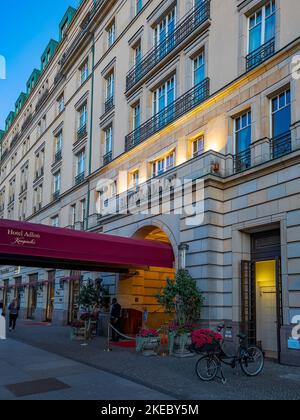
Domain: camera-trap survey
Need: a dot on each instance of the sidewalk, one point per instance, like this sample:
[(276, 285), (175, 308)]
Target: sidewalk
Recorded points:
[(175, 377), (30, 373)]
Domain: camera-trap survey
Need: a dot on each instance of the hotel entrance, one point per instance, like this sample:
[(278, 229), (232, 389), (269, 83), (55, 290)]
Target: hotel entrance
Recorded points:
[(50, 295), (32, 296), (262, 293), (74, 291)]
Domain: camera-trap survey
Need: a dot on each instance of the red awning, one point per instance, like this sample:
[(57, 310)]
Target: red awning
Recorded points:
[(27, 244)]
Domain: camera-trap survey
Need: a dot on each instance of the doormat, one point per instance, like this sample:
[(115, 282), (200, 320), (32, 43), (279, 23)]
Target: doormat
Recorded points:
[(42, 386), (124, 344), (37, 324)]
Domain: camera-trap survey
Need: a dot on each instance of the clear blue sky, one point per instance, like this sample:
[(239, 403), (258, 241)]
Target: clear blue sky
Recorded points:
[(26, 26)]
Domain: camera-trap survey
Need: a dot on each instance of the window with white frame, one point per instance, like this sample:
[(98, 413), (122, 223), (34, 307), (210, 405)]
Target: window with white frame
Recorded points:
[(138, 6), (110, 86), (73, 215), (61, 104), (82, 210), (84, 71), (163, 164), (108, 139), (164, 95), (199, 68), (58, 142), (137, 54), (164, 30), (55, 221), (281, 113), (136, 116), (82, 114), (242, 125), (80, 163), (198, 146), (262, 26), (57, 182), (111, 34), (134, 181)]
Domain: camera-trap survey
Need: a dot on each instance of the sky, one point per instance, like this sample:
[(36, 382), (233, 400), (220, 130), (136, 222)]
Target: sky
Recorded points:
[(26, 26)]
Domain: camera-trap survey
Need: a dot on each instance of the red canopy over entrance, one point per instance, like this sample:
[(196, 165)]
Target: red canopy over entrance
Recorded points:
[(31, 245)]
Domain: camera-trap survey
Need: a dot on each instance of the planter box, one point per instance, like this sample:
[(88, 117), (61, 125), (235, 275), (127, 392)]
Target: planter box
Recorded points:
[(293, 344)]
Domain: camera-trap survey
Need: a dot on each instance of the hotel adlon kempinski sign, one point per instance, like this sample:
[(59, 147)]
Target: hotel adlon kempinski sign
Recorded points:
[(23, 237)]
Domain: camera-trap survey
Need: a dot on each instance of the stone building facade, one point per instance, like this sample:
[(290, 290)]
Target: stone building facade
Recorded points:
[(142, 90)]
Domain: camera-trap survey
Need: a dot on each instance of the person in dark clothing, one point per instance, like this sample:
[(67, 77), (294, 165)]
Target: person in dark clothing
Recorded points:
[(13, 314), (115, 319)]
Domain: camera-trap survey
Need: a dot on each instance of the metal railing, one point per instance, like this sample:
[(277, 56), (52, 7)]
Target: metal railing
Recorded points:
[(185, 27), (42, 99), (26, 122), (281, 145), (171, 113), (55, 195), (107, 158), (242, 161), (23, 187), (58, 156), (261, 54), (81, 133), (38, 174), (79, 178), (109, 104)]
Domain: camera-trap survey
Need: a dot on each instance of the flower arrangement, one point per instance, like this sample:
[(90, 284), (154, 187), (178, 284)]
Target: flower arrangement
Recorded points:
[(178, 329), (148, 333), (203, 338)]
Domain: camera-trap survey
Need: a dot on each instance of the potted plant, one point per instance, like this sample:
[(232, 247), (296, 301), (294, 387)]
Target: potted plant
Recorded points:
[(147, 342), (206, 340), (182, 298)]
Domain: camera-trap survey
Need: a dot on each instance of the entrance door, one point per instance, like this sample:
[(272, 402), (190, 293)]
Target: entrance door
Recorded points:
[(50, 296), (32, 296), (266, 306)]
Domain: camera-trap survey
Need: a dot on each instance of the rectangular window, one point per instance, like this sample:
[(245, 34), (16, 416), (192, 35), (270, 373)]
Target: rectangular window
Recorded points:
[(164, 164), (58, 144), (83, 211), (84, 72), (198, 146), (199, 69), (73, 215), (281, 114), (136, 120), (82, 117), (164, 96), (164, 33), (57, 183), (110, 86), (111, 34), (55, 221), (108, 139), (137, 54), (243, 132), (138, 6), (61, 104), (262, 26), (80, 167), (135, 179)]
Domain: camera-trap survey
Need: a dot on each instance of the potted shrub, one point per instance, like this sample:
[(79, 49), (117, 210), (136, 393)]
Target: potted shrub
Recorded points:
[(147, 342), (182, 298)]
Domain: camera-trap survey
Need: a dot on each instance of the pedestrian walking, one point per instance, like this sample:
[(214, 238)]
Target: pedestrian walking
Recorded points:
[(115, 319), (2, 323), (13, 310)]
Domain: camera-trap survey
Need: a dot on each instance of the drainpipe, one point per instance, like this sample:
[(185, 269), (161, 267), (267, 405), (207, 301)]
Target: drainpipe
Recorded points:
[(91, 131)]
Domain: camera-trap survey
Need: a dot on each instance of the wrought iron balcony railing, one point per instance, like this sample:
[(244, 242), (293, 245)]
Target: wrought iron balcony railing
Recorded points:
[(27, 122), (242, 161), (193, 20), (107, 158), (42, 100), (24, 187), (109, 104), (81, 133), (260, 55), (281, 145), (171, 113), (38, 174), (56, 195), (58, 156), (79, 178)]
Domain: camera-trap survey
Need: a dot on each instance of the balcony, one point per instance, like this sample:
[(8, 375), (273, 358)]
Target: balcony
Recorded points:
[(42, 99), (79, 179), (109, 104), (11, 200), (242, 161), (171, 113), (81, 133), (107, 158), (14, 140), (37, 208), (56, 195), (58, 156), (260, 55), (4, 154), (26, 122), (23, 188), (38, 174), (193, 20), (281, 145)]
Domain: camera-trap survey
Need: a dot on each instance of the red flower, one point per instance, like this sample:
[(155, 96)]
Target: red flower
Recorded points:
[(201, 338)]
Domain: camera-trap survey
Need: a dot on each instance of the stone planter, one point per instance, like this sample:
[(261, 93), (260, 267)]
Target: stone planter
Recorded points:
[(148, 346), (179, 345)]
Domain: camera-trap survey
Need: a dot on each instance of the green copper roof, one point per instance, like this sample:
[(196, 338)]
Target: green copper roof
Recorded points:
[(2, 132), (66, 20), (31, 82), (20, 101), (48, 53), (9, 120)]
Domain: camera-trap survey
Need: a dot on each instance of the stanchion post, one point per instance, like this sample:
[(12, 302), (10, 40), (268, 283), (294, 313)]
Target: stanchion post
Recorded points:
[(108, 349)]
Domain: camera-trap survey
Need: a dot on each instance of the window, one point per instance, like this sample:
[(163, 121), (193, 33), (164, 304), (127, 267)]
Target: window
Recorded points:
[(61, 104), (84, 72), (39, 163), (56, 183), (11, 191), (134, 182), (163, 164), (24, 179), (198, 147), (73, 215), (111, 34), (82, 211), (243, 132), (37, 198), (55, 221), (138, 6), (82, 117), (58, 143), (281, 113), (262, 26), (136, 117), (137, 54), (80, 164), (164, 95), (22, 208), (108, 140), (199, 69), (164, 32)]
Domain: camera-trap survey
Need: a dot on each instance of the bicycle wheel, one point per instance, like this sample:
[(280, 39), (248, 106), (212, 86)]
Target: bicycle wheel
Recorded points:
[(252, 362), (207, 368)]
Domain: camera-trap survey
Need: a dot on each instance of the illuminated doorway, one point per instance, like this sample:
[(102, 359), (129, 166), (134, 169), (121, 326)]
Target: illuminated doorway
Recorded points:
[(50, 296), (32, 295), (74, 291)]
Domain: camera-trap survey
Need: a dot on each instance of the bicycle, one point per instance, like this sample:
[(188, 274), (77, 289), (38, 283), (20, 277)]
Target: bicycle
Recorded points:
[(250, 359)]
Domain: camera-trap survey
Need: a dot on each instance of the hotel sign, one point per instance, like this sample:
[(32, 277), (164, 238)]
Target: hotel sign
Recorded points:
[(23, 237)]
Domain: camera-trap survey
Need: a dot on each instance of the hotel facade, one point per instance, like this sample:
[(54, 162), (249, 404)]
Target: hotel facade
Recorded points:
[(141, 90)]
